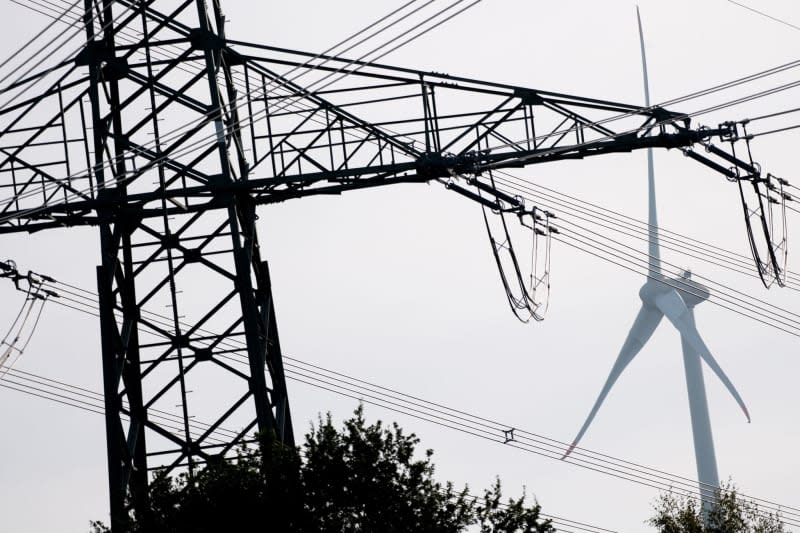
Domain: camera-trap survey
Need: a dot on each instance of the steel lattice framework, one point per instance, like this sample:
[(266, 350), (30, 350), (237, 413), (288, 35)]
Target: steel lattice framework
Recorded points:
[(167, 135)]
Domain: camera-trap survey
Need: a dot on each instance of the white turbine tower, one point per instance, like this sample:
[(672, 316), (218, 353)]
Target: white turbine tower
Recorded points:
[(675, 299)]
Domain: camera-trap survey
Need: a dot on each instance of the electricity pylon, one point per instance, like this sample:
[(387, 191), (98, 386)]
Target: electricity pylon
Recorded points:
[(166, 135)]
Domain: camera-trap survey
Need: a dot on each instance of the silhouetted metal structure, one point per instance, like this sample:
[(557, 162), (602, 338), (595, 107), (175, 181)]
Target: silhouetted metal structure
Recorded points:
[(167, 135)]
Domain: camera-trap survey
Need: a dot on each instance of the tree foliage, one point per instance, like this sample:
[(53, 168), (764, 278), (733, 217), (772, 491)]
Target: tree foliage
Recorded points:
[(731, 514), (361, 478)]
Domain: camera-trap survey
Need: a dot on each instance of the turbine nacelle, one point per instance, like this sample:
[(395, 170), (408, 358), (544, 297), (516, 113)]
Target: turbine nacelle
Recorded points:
[(690, 291)]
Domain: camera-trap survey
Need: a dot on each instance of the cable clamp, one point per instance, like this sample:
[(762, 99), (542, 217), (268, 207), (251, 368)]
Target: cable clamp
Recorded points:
[(728, 132)]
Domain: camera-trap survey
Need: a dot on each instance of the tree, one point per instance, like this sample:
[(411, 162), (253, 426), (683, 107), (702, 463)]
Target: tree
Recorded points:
[(731, 514), (362, 478), (495, 517)]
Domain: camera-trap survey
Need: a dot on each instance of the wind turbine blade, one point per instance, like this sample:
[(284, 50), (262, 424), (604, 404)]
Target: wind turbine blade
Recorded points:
[(672, 305), (643, 327), (654, 259), (644, 60)]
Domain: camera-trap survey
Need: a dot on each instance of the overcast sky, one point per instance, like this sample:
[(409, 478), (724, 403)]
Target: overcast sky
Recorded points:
[(398, 286)]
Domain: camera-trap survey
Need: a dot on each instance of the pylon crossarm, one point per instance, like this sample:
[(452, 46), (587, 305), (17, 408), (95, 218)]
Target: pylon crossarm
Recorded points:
[(301, 137), (377, 120), (428, 166)]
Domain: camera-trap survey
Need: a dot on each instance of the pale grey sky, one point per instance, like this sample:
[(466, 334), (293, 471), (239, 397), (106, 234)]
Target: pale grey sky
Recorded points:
[(398, 285)]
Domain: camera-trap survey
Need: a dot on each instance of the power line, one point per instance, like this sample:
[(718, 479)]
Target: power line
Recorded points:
[(461, 421), (21, 79), (777, 130), (494, 431), (730, 302), (35, 38), (726, 297), (552, 202), (780, 113), (82, 398), (766, 15), (725, 293), (600, 217), (690, 243), (62, 396), (773, 115)]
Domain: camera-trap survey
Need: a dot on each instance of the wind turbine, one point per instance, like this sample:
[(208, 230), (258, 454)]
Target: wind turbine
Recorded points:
[(674, 298)]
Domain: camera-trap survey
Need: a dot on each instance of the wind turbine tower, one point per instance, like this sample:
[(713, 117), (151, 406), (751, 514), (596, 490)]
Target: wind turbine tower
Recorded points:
[(674, 298)]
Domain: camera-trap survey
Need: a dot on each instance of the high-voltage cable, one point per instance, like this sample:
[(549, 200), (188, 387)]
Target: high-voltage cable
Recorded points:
[(764, 14), (98, 409), (734, 302), (64, 393), (690, 245), (36, 37), (317, 376), (767, 308), (86, 399), (443, 416), (439, 415), (602, 217), (21, 80)]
